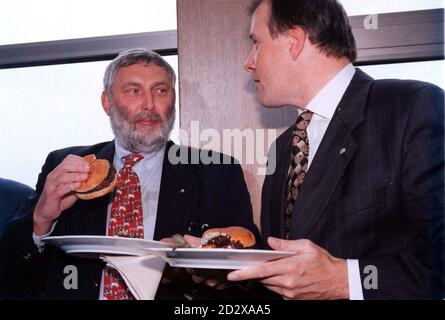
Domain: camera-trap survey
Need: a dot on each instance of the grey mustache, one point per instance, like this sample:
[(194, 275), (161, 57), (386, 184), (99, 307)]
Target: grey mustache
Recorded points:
[(147, 116)]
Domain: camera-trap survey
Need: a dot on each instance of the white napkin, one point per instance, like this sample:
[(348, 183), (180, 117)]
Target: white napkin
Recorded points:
[(141, 274)]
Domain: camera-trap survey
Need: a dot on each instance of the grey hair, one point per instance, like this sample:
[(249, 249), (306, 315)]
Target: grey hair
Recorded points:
[(131, 57)]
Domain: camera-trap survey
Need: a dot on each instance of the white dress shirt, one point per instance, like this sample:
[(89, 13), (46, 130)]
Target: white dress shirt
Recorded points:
[(323, 105), (149, 171)]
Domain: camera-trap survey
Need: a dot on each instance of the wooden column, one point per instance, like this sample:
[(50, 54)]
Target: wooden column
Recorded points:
[(214, 89)]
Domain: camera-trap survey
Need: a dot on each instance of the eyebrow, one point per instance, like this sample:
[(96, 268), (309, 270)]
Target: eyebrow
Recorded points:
[(158, 83), (134, 83), (130, 83)]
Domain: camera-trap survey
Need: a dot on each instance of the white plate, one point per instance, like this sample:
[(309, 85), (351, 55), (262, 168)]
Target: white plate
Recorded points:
[(93, 246), (87, 245), (216, 258)]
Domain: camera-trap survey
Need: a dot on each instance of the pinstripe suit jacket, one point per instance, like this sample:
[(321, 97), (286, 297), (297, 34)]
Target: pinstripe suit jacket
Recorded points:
[(382, 200)]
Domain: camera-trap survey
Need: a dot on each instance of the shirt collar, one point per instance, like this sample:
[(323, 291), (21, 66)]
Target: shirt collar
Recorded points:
[(328, 98), (121, 152)]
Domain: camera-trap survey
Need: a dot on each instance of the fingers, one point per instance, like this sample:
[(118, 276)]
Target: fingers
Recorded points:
[(213, 283), (168, 241), (68, 171), (73, 163), (64, 190), (197, 279), (68, 201), (72, 178), (297, 246), (72, 158), (57, 192), (286, 281), (194, 241), (67, 176), (257, 272), (212, 278), (277, 267), (266, 270)]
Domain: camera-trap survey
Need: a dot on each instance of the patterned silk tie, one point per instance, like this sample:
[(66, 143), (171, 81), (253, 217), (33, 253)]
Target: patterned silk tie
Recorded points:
[(126, 220), (298, 166)]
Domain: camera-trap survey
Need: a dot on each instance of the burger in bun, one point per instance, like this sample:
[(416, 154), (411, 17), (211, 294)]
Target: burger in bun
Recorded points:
[(101, 179), (228, 238)]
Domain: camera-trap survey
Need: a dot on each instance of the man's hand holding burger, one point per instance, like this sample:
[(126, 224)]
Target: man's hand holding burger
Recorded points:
[(74, 178), (58, 194)]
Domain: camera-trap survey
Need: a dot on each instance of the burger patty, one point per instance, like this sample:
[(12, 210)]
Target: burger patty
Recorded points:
[(105, 183), (224, 241)]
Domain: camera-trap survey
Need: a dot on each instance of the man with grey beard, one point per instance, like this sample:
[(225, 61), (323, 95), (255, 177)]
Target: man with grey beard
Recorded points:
[(174, 197)]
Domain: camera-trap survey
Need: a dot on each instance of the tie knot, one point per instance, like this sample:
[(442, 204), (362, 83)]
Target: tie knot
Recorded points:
[(303, 120), (131, 159)]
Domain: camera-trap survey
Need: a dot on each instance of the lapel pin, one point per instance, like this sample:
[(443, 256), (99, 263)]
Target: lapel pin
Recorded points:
[(342, 151)]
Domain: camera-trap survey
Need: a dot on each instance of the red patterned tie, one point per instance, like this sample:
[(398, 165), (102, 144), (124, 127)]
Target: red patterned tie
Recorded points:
[(298, 167), (126, 220)]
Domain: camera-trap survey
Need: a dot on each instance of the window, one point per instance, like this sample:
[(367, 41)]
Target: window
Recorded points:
[(428, 71), (52, 107), (360, 7), (47, 20)]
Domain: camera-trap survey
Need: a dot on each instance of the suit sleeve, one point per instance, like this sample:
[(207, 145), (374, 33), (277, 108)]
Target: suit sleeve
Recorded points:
[(22, 266), (419, 272)]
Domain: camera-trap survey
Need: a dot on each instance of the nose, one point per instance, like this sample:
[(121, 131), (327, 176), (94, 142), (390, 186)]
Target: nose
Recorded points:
[(148, 101), (249, 65)]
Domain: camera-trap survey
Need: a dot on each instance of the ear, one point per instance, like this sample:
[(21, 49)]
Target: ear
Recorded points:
[(105, 102), (297, 37)]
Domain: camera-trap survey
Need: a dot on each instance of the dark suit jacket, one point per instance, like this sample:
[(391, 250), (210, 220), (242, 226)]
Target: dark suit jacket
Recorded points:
[(381, 198), (12, 195), (191, 195)]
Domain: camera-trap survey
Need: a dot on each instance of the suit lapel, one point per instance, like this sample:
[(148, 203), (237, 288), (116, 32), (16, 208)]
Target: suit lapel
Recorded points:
[(277, 227), (336, 149), (178, 196)]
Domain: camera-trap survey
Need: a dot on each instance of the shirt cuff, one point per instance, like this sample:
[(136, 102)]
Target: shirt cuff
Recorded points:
[(354, 280), (38, 239)]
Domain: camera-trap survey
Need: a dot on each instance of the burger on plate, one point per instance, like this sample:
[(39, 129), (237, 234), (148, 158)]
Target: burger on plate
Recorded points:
[(228, 238), (101, 179)]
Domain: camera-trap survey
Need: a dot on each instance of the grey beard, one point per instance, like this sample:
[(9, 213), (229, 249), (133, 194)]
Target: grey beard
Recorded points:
[(134, 141)]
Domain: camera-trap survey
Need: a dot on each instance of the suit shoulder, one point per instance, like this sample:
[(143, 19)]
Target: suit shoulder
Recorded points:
[(13, 185), (60, 154), (405, 88), (186, 155), (405, 96), (14, 189)]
